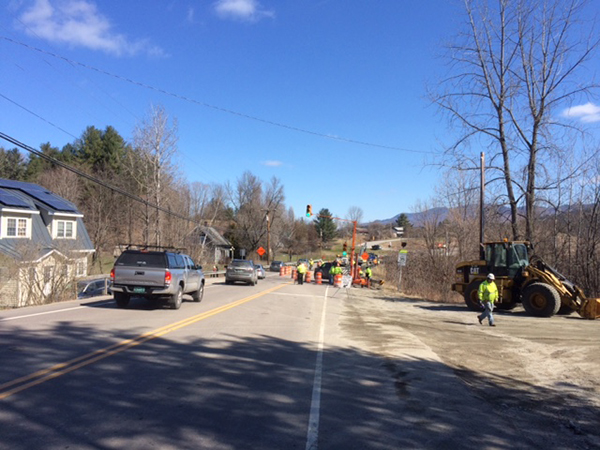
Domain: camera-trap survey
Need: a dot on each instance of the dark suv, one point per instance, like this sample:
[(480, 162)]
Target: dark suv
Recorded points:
[(241, 270), (276, 266), (324, 270)]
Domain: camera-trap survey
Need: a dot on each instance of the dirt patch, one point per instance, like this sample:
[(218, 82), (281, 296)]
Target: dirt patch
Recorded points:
[(541, 376)]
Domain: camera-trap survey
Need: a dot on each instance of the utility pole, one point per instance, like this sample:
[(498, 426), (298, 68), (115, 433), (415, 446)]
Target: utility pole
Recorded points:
[(267, 211), (268, 239), (481, 207)]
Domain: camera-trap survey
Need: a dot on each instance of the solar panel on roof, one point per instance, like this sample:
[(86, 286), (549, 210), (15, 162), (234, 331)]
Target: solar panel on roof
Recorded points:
[(52, 200), (40, 194), (13, 184), (8, 199)]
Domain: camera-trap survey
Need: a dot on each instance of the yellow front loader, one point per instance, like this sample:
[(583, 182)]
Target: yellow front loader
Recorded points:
[(542, 290)]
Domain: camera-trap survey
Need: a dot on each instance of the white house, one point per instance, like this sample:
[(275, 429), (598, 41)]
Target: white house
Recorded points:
[(44, 245)]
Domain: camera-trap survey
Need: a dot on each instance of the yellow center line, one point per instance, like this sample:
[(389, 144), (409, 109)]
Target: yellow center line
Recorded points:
[(20, 384)]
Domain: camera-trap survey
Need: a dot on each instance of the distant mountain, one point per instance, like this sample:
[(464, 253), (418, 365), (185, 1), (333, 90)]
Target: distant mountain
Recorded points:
[(418, 219)]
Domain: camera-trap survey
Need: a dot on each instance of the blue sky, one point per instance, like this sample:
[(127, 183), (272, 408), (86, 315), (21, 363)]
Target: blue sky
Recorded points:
[(283, 88)]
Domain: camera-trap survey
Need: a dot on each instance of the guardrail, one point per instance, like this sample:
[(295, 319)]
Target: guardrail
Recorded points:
[(214, 274)]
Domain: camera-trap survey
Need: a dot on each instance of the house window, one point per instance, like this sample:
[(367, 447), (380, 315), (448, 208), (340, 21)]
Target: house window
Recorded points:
[(17, 227), (48, 272), (80, 269), (65, 229)]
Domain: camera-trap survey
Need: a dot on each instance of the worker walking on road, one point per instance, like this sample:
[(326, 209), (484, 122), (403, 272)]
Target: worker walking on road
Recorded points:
[(488, 294)]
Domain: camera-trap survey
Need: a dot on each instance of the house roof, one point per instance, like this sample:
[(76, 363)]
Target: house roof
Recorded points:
[(212, 235), (43, 206), (38, 194)]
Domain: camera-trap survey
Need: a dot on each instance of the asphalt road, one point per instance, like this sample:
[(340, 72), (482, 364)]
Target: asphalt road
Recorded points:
[(282, 366)]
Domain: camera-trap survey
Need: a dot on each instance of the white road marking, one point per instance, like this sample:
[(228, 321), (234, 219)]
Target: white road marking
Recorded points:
[(6, 319), (25, 316), (312, 436)]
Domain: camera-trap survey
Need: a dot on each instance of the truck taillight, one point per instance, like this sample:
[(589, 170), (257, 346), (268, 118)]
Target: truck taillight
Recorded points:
[(168, 278), (112, 275)]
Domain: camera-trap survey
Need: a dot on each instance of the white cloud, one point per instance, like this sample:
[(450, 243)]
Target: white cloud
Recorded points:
[(190, 14), (272, 163), (587, 113), (244, 10), (79, 23)]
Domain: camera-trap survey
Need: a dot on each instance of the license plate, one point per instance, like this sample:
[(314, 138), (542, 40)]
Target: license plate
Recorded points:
[(139, 290)]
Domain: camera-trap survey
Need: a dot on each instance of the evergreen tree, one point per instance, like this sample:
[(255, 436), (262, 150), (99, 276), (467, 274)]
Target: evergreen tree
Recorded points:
[(37, 165), (402, 221), (325, 226), (12, 164), (101, 151)]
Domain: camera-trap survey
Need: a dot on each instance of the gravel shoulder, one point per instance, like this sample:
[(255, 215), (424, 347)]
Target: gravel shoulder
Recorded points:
[(528, 382)]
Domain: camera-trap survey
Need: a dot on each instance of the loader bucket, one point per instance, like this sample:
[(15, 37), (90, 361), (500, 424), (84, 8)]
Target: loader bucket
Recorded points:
[(591, 309)]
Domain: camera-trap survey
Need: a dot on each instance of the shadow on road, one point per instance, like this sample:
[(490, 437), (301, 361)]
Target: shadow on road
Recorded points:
[(254, 393)]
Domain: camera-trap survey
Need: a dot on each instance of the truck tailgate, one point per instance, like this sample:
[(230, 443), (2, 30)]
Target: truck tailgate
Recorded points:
[(139, 276)]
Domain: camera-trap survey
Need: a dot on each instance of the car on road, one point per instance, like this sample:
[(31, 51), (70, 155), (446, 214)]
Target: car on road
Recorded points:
[(156, 275), (276, 266), (93, 288), (324, 270), (260, 270), (241, 270), (304, 261), (376, 247)]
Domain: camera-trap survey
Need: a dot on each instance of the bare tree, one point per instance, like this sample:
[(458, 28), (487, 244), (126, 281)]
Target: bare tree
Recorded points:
[(511, 70), (155, 141), (250, 202), (355, 213)]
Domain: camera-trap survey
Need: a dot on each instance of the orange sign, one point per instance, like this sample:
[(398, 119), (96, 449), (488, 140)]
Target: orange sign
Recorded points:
[(365, 256), (261, 251)]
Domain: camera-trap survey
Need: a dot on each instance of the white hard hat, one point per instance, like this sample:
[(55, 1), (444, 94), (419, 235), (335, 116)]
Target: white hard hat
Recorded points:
[(491, 276)]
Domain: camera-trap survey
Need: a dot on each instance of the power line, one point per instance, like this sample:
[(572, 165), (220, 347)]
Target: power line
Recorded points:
[(217, 108), (92, 178), (37, 115)]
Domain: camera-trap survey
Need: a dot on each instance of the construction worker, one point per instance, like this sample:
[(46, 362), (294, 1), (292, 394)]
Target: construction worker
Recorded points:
[(488, 294), (310, 263), (337, 270), (332, 273), (368, 274), (301, 271)]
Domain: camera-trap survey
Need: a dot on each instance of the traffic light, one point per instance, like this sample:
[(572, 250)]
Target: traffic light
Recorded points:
[(308, 210), (345, 246)]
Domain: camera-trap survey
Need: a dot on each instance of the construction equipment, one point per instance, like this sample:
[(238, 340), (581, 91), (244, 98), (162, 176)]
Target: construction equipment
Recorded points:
[(542, 290)]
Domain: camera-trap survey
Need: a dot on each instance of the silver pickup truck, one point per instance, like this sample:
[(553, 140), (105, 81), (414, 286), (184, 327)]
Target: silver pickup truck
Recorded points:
[(156, 275)]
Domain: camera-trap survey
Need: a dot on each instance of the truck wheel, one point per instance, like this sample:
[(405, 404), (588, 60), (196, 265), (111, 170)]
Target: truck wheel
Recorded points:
[(122, 299), (177, 299), (541, 300), (472, 296), (197, 296)]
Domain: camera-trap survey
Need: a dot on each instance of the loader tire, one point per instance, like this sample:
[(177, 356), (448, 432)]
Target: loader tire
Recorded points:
[(541, 300), (472, 296), (565, 310)]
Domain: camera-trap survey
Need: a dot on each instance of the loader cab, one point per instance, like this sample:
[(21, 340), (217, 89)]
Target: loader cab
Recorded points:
[(506, 259)]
